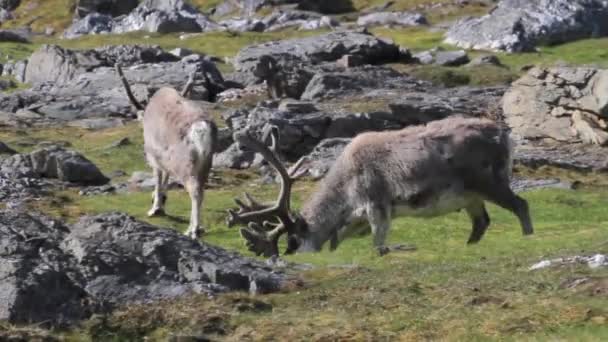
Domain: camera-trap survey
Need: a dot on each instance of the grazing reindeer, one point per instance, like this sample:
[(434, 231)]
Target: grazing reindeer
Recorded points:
[(179, 140), (427, 170)]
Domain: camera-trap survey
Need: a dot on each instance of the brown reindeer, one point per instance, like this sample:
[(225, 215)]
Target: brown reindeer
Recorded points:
[(179, 140), (424, 171)]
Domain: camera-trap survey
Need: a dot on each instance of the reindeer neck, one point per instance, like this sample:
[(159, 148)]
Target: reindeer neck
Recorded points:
[(326, 211)]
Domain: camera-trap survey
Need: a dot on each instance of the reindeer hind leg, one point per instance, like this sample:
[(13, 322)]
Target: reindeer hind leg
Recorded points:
[(480, 220)]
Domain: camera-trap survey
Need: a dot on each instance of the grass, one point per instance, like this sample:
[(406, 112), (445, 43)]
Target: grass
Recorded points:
[(445, 290), (42, 14)]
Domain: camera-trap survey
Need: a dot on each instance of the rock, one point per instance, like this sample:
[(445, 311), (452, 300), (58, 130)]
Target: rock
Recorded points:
[(97, 123), (54, 162), (181, 52), (327, 7), (294, 106), (5, 15), (6, 84), (92, 23), (301, 132), (515, 25), (349, 61), (327, 47), (392, 19), (246, 8), (16, 36), (424, 57), (569, 156), (322, 23), (9, 5), (243, 24), (59, 275), (4, 149), (485, 60), (322, 157), (145, 181), (282, 19), (547, 103), (451, 58), (164, 16), (331, 84), (110, 7), (131, 55), (69, 166), (52, 63)]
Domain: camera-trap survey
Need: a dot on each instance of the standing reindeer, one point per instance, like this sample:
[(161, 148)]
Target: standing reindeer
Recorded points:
[(426, 171), (179, 140)]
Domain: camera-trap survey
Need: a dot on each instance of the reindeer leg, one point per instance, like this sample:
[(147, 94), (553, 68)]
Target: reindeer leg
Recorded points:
[(480, 219), (502, 195), (195, 190), (158, 195), (380, 221)]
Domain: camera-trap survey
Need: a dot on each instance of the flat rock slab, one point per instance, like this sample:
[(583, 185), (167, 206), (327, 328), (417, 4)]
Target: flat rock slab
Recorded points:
[(59, 274)]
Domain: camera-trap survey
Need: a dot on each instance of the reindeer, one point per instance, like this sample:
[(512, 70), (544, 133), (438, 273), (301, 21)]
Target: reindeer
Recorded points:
[(425, 171), (269, 70), (179, 141)]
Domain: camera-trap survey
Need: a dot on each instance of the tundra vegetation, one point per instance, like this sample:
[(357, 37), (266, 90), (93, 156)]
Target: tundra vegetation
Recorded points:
[(442, 290)]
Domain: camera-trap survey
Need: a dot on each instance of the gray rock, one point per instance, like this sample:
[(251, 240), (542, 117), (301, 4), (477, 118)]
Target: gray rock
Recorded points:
[(6, 84), (576, 157), (246, 7), (520, 25), (332, 84), (243, 24), (327, 7), (54, 162), (16, 36), (5, 15), (164, 16), (392, 19), (485, 60), (110, 7), (59, 274), (4, 149), (92, 23), (563, 104), (323, 48), (181, 52), (294, 106), (52, 63), (424, 57), (451, 58), (9, 5)]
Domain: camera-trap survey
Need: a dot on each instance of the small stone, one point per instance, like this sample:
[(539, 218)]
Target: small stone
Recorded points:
[(349, 61)]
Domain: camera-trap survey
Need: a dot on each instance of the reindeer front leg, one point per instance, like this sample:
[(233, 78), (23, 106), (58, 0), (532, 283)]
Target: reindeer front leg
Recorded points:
[(159, 196), (380, 221), (195, 190)]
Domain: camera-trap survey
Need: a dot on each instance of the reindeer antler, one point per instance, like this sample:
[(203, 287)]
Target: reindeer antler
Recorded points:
[(261, 234), (125, 83)]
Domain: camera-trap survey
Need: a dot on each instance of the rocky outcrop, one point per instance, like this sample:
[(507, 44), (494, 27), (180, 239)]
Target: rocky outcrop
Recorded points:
[(561, 103), (74, 85), (521, 25), (15, 36), (54, 162), (162, 16), (9, 5), (57, 275), (392, 19), (301, 131), (113, 8), (323, 48), (440, 57)]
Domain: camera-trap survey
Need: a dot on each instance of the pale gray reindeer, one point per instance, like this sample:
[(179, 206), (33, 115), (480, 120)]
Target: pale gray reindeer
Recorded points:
[(179, 141), (427, 170)]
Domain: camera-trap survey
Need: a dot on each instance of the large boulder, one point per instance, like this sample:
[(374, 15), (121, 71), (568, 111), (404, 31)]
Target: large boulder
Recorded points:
[(164, 16), (9, 5), (392, 19), (52, 63), (54, 162), (111, 7), (561, 103), (520, 25), (322, 48), (15, 36), (57, 275)]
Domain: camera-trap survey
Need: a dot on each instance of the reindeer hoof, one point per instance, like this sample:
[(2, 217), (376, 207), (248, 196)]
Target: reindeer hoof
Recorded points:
[(194, 234), (156, 212), (383, 250)]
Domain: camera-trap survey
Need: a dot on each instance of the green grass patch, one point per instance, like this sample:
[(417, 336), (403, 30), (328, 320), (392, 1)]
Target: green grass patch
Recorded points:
[(41, 14), (445, 290)]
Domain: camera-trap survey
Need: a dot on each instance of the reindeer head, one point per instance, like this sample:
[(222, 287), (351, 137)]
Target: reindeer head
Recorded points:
[(266, 67), (266, 223)]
